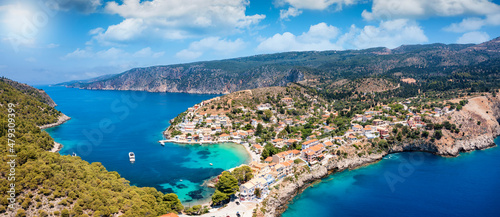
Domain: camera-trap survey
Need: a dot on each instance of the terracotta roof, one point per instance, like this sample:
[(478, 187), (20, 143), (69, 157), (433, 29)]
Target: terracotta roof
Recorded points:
[(269, 159), (170, 215), (224, 134), (328, 143), (309, 141), (257, 146), (295, 152), (317, 147)]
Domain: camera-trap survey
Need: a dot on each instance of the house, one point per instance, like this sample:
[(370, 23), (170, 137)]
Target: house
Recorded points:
[(328, 144), (247, 190), (384, 132), (358, 129), (258, 148), (224, 136), (287, 100), (378, 122), (368, 129), (278, 142), (313, 152), (263, 107), (268, 160), (309, 143), (283, 156), (352, 138)]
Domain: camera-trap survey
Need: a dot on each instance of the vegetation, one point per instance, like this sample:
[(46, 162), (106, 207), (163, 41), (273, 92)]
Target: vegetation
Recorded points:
[(82, 189)]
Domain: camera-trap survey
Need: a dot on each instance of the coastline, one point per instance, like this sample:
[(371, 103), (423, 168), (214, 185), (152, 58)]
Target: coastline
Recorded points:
[(280, 200), (61, 120), (57, 147)]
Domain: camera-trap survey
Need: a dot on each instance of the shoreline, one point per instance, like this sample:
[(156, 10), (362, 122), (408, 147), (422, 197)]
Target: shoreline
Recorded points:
[(61, 120), (361, 162), (57, 147)]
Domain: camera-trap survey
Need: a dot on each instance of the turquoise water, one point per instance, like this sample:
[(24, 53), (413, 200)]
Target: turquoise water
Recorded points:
[(409, 184), (107, 125)]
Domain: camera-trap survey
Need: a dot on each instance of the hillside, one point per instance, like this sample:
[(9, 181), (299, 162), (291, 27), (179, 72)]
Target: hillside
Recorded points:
[(422, 62), (47, 183), (40, 95)]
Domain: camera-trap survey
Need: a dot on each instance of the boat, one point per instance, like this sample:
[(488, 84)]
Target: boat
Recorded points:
[(211, 164), (73, 155), (131, 156)]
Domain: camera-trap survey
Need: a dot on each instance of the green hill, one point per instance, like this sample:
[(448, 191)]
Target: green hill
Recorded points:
[(47, 183)]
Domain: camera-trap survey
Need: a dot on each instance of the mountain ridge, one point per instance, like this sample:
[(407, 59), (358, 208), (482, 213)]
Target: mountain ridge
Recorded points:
[(279, 69)]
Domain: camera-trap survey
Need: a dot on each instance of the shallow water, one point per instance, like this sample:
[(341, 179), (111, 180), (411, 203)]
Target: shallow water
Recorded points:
[(107, 125)]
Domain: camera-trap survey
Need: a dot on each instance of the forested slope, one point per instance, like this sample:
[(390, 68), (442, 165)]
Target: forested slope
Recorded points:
[(47, 183)]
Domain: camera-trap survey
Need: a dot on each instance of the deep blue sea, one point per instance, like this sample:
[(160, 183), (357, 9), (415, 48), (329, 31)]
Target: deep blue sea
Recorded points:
[(107, 125), (409, 184)]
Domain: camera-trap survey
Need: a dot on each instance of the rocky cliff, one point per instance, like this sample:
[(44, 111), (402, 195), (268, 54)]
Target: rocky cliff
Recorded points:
[(484, 109)]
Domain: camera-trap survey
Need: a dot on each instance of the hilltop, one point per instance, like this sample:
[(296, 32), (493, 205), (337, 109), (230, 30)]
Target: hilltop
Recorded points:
[(425, 63)]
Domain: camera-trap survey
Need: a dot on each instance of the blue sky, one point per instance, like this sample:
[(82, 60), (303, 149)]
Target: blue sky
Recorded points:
[(51, 41)]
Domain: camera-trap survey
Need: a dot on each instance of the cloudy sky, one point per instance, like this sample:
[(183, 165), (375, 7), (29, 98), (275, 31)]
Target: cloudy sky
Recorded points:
[(50, 41)]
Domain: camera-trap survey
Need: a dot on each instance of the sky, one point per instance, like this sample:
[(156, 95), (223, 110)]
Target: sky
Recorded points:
[(52, 41)]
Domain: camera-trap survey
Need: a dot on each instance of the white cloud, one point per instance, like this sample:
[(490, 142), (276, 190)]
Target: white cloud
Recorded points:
[(127, 30), (176, 19), (291, 12), (315, 4), (473, 37), (319, 37), (96, 31), (393, 9), (389, 34), (474, 23), (147, 52), (221, 47)]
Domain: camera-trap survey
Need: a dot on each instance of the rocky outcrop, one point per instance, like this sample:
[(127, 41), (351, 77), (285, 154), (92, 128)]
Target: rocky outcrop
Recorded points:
[(474, 136), (62, 119)]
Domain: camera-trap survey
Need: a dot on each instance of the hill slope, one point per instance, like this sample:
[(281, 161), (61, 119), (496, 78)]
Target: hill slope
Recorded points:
[(47, 183), (306, 67)]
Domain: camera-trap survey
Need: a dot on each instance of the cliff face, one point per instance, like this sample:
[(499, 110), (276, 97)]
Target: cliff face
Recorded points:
[(473, 136)]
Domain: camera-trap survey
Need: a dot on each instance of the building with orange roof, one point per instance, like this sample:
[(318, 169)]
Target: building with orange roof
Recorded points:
[(258, 148), (170, 215), (309, 143)]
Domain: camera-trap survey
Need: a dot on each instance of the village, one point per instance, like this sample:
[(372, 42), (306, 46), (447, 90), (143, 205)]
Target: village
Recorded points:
[(287, 149)]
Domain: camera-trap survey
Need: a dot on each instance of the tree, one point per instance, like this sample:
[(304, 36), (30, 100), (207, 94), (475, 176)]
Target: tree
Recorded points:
[(438, 134), (267, 115), (425, 134), (227, 184), (219, 197), (259, 129), (265, 154), (257, 192), (242, 174), (172, 202)]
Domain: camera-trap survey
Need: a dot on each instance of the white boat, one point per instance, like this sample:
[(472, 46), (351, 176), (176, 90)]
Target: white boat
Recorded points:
[(131, 156), (211, 164), (73, 155)]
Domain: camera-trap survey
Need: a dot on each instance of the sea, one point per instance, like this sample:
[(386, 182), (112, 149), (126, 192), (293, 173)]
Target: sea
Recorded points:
[(106, 125), (409, 184)]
